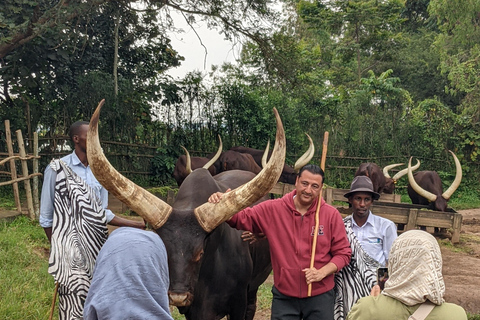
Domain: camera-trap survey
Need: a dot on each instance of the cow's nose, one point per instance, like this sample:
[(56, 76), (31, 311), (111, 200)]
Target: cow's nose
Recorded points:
[(182, 299)]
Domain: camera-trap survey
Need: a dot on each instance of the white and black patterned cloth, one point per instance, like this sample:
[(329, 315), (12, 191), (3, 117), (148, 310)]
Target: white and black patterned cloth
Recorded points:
[(356, 279), (79, 231)]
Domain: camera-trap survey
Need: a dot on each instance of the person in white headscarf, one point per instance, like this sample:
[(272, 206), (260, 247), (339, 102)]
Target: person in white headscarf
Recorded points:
[(415, 267), (131, 278)]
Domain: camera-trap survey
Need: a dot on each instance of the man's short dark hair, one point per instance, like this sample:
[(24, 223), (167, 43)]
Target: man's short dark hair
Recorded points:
[(75, 128), (312, 168)]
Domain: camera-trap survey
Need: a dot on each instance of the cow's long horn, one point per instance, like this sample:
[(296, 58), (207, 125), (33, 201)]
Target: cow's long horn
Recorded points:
[(265, 155), (389, 167), (458, 178), (422, 192), (210, 215), (151, 208), (188, 161), (403, 172), (306, 157), (217, 155)]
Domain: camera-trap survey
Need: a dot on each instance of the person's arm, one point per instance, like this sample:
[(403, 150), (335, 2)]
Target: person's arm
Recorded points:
[(390, 236), (47, 201), (123, 222), (316, 275)]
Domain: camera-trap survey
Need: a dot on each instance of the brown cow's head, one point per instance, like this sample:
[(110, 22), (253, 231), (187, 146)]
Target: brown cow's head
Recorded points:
[(186, 226)]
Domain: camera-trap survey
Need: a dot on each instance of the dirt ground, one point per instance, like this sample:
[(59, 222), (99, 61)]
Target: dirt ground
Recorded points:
[(460, 261)]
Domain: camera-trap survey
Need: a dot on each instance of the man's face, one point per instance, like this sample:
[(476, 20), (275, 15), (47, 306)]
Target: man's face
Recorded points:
[(80, 139), (361, 202), (308, 187)]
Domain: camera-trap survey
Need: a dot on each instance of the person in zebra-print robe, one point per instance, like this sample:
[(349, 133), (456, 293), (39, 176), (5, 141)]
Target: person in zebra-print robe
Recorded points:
[(371, 238), (74, 215), (356, 279)]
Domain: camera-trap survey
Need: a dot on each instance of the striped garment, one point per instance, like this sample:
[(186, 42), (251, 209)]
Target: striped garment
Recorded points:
[(356, 279), (79, 230)]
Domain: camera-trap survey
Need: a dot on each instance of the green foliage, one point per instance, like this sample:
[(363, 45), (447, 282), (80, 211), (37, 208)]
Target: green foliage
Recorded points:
[(162, 166), (458, 46)]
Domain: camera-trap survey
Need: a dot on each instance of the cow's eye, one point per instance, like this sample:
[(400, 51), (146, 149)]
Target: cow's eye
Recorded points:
[(198, 256)]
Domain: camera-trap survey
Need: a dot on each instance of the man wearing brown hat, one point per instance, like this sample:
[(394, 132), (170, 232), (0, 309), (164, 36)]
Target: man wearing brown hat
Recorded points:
[(375, 234), (370, 238)]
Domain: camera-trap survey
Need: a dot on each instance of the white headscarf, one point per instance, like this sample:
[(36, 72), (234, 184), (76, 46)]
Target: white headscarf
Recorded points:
[(415, 267)]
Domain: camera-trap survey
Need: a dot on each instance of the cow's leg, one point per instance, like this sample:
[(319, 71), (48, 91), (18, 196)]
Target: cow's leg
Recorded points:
[(251, 305)]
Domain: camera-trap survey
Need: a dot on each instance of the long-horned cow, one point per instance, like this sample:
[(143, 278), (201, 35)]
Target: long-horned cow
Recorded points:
[(213, 273), (425, 187), (183, 167), (289, 174), (381, 180)]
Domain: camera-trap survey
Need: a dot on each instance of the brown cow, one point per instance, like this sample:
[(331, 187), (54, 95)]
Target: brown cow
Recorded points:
[(382, 182), (186, 164), (213, 273)]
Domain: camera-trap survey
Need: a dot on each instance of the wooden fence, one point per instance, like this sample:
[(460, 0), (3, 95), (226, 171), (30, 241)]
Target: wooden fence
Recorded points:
[(13, 177)]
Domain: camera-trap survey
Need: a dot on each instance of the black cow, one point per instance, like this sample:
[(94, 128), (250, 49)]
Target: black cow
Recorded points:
[(233, 160), (425, 187), (289, 174), (186, 164), (381, 180), (213, 273)]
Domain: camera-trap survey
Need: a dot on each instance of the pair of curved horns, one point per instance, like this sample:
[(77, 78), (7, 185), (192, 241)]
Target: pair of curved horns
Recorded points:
[(400, 173), (430, 196), (156, 211), (188, 160)]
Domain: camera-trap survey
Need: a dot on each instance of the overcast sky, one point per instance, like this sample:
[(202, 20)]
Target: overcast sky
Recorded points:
[(196, 58)]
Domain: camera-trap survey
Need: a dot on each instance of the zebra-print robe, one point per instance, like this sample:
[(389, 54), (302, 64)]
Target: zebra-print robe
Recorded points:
[(78, 232), (356, 279)]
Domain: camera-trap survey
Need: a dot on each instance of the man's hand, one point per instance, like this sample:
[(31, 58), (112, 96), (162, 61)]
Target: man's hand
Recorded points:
[(314, 275), (215, 197)]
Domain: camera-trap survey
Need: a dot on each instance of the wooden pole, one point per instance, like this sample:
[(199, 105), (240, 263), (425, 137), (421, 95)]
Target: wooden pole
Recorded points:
[(52, 308), (36, 199), (28, 189), (317, 219), (13, 168)]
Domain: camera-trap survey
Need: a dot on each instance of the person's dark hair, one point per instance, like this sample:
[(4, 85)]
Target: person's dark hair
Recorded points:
[(75, 128), (312, 168)]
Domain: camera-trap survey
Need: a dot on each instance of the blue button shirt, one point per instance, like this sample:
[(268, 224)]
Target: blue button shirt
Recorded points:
[(376, 237), (48, 189)]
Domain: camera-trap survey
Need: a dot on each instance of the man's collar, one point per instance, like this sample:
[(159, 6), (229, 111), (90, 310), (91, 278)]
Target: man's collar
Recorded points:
[(75, 160), (370, 220)]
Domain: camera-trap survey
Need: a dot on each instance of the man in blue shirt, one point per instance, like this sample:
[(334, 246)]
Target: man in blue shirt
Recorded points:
[(78, 162), (375, 234)]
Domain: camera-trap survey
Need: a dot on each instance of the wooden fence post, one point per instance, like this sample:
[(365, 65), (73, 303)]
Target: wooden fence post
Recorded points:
[(36, 202), (28, 190), (13, 168)]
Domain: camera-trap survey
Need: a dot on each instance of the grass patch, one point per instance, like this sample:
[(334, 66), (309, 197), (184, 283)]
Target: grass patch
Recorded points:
[(26, 289)]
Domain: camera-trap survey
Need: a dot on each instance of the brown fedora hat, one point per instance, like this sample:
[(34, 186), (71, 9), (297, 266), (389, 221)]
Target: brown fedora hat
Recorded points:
[(362, 184)]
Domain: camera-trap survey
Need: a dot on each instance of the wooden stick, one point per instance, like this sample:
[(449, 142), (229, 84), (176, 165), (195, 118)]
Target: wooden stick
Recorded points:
[(317, 219), (53, 302)]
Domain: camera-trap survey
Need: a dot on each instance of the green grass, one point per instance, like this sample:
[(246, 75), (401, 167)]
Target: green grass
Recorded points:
[(26, 289)]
